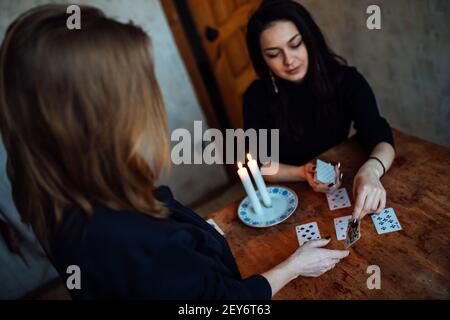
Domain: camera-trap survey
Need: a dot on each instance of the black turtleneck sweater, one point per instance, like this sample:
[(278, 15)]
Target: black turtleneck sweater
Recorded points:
[(308, 138)]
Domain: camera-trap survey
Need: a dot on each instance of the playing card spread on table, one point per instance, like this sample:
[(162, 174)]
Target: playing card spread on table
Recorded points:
[(386, 221), (341, 225), (338, 199), (353, 233), (215, 226), (325, 172), (307, 232)]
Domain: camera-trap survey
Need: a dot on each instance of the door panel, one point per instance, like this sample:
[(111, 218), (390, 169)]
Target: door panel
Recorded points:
[(224, 43)]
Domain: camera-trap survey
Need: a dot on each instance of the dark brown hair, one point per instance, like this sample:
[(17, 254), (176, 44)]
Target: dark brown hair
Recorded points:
[(322, 61)]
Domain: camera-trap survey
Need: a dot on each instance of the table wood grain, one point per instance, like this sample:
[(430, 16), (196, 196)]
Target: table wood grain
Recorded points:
[(414, 262)]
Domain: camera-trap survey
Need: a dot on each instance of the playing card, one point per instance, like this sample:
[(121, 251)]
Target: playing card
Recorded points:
[(214, 224), (341, 225), (386, 221), (307, 232), (353, 233), (325, 172), (338, 199)]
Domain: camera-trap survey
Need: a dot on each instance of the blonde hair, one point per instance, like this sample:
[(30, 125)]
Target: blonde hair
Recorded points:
[(81, 116)]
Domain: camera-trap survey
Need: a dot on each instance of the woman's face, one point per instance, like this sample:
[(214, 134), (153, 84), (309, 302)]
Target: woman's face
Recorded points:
[(284, 51)]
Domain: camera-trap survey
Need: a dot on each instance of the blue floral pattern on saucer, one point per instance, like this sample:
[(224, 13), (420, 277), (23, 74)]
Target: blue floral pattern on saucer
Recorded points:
[(284, 203)]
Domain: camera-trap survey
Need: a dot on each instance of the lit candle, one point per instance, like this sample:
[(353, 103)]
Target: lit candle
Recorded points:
[(253, 165), (248, 186)]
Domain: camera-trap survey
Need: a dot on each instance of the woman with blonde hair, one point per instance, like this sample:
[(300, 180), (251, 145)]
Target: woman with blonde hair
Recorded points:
[(84, 126)]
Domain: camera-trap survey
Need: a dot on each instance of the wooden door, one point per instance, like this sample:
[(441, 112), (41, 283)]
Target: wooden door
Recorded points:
[(221, 25)]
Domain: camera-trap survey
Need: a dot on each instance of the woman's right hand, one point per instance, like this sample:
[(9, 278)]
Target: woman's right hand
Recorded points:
[(311, 260), (308, 171)]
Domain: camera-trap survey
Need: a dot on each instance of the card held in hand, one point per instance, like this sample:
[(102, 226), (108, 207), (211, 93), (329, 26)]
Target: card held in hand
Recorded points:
[(325, 172), (353, 233)]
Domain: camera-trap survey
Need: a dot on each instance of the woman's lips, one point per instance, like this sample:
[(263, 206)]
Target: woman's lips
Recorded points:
[(294, 71)]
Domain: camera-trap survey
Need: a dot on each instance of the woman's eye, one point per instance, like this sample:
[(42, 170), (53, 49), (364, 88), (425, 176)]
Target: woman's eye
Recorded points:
[(298, 44), (272, 56)]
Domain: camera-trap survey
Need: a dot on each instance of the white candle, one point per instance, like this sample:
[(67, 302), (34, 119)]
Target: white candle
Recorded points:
[(248, 186), (253, 165)]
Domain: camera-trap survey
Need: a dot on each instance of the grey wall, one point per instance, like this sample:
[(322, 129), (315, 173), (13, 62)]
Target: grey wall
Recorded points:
[(406, 62)]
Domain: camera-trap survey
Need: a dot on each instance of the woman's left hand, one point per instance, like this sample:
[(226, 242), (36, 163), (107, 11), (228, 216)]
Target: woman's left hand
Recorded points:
[(369, 193)]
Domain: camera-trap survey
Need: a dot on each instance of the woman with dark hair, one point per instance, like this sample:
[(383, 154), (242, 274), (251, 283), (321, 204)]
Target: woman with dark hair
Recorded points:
[(310, 94), (84, 126)]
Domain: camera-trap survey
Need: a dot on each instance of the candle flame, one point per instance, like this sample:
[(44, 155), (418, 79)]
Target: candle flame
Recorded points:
[(249, 157), (239, 165)]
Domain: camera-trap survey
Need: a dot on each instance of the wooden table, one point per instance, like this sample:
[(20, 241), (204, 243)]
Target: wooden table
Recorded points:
[(414, 262)]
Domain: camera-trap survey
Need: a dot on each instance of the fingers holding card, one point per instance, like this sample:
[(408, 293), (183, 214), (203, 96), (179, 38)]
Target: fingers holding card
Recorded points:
[(325, 172), (353, 233), (385, 221)]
